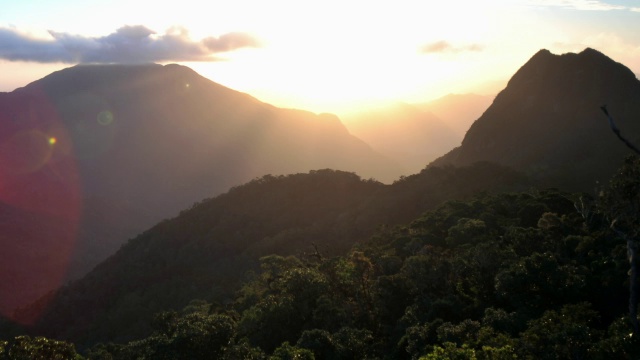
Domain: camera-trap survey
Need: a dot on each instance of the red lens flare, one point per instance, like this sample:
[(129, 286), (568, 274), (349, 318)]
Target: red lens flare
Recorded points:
[(40, 203)]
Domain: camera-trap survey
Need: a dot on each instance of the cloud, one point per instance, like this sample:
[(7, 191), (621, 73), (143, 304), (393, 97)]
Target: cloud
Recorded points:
[(591, 5), (129, 44), (446, 47), (230, 41)]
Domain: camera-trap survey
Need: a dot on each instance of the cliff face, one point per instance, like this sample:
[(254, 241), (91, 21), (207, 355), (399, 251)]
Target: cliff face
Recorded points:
[(547, 121)]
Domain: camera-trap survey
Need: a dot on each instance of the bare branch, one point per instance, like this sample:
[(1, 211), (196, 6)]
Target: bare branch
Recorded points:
[(616, 131)]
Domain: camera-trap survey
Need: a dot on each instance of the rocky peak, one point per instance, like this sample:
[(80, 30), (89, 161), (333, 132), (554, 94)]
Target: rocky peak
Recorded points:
[(548, 119)]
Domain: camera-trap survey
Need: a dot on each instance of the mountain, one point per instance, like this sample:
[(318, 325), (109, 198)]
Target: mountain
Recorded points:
[(403, 132), (93, 155), (458, 111), (547, 122), (461, 274), (208, 250)]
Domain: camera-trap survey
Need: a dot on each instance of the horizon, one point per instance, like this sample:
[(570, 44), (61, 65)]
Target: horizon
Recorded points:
[(319, 56)]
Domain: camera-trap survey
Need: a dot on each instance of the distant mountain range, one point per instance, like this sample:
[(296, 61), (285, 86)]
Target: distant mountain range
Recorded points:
[(458, 111), (416, 134), (406, 134), (93, 155), (544, 129), (547, 122)]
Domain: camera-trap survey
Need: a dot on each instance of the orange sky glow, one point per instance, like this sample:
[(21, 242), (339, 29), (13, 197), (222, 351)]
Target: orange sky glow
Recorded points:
[(323, 56)]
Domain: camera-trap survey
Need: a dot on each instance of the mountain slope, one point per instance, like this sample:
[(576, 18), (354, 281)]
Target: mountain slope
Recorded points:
[(458, 111), (547, 121), (92, 155), (206, 251)]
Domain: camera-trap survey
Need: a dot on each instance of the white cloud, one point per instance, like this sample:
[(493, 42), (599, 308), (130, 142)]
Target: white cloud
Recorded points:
[(446, 47), (129, 44)]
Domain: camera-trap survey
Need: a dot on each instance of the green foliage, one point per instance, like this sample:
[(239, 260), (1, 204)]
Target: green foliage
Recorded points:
[(462, 333), (619, 342), (354, 343), (288, 352), (540, 280), (469, 280), (567, 334), (498, 276), (466, 231), (449, 351), (38, 348), (621, 199), (621, 205), (320, 342), (194, 335)]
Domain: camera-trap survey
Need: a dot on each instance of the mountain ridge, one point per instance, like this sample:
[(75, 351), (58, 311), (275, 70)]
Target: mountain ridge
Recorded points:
[(210, 248), (148, 140), (547, 121)]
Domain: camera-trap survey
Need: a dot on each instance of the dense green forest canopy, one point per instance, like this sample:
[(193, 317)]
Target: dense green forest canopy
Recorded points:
[(535, 274)]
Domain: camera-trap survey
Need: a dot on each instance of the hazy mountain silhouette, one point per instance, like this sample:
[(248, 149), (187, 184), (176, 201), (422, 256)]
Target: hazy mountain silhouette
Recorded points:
[(405, 133), (92, 155), (458, 111), (547, 122)]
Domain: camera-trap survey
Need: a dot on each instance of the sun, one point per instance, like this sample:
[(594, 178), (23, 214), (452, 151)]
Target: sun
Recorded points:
[(369, 53), (338, 82)]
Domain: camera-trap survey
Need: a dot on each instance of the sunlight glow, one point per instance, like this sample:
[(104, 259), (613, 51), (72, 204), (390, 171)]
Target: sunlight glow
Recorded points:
[(334, 56)]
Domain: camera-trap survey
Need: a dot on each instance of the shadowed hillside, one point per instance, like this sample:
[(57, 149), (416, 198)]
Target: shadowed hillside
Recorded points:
[(206, 251), (92, 155), (547, 121)]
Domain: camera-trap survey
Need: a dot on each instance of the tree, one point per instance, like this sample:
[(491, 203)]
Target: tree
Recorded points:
[(621, 204), (567, 334), (450, 352), (39, 348), (288, 352), (284, 307)]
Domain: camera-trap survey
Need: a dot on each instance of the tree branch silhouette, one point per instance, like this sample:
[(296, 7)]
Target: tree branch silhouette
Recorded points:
[(616, 131)]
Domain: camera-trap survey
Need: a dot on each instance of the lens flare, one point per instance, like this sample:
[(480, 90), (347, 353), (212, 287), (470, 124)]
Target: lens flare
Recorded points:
[(105, 118), (25, 152), (41, 203)]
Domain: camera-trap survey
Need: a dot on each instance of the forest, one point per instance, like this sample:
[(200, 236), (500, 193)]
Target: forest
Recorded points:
[(534, 274)]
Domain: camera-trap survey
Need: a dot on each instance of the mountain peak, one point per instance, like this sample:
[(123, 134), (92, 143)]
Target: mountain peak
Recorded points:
[(148, 139), (547, 120), (587, 62), (587, 52)]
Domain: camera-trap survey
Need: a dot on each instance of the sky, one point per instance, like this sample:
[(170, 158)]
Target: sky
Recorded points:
[(324, 56)]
